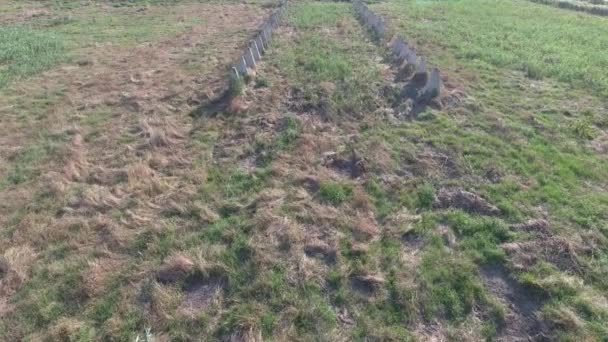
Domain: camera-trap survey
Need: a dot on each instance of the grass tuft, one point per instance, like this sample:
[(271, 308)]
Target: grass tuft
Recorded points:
[(334, 192), (25, 52)]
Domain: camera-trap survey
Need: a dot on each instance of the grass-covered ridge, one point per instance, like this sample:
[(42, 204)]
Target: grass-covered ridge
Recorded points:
[(323, 57)]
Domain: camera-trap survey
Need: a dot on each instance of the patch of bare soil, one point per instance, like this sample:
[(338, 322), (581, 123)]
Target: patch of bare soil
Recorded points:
[(522, 306), (432, 163), (351, 164), (366, 283), (22, 14), (321, 250), (465, 200), (413, 240), (201, 291), (557, 250), (600, 143), (534, 226)]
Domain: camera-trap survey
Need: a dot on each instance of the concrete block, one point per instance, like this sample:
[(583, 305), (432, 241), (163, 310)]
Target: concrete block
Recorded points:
[(380, 29), (241, 66), (260, 43), (433, 86), (398, 45), (421, 67), (249, 58), (264, 37), (255, 51), (411, 57)]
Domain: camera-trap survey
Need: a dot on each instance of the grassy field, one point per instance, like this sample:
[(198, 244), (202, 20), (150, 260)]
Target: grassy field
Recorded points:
[(514, 37), (311, 208)]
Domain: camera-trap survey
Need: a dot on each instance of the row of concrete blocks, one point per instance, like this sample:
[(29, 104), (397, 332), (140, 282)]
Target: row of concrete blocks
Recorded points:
[(370, 19), (252, 54), (401, 51)]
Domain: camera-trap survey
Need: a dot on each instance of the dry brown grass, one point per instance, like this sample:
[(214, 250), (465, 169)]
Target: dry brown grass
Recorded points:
[(118, 175), (15, 265)]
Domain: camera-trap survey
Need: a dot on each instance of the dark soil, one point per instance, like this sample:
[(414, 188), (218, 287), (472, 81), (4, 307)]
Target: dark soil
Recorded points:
[(522, 305)]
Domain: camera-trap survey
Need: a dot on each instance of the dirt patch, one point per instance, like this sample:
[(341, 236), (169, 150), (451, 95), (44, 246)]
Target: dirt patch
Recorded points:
[(4, 267), (534, 226), (494, 175), (465, 200), (432, 163), (27, 15), (366, 283), (412, 240), (600, 143), (321, 250), (201, 291), (300, 102), (557, 250), (522, 306), (364, 227), (352, 164), (175, 269), (311, 184)]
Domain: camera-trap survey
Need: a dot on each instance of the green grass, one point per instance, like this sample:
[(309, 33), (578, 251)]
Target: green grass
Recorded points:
[(313, 16), (518, 125), (119, 26), (539, 40), (25, 52), (52, 293), (480, 237), (289, 134), (326, 58), (449, 286), (26, 163), (335, 193), (426, 196)]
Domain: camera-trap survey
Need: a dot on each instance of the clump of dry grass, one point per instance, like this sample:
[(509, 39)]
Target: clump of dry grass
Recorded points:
[(364, 227), (560, 251), (76, 165), (158, 133), (96, 198), (100, 273), (176, 268), (15, 265), (66, 329), (106, 176), (465, 200), (19, 260)]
